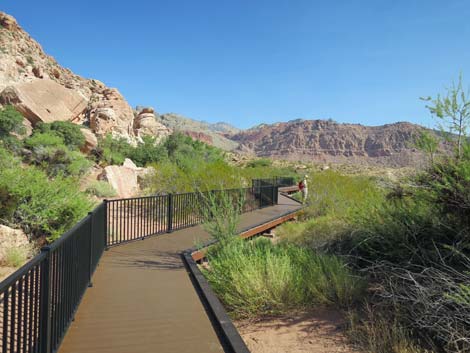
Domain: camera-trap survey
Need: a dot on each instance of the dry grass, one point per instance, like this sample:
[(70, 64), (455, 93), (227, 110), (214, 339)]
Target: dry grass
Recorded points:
[(16, 256), (376, 333)]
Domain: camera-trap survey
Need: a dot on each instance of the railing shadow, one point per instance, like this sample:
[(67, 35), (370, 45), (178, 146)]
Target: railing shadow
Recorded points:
[(151, 259)]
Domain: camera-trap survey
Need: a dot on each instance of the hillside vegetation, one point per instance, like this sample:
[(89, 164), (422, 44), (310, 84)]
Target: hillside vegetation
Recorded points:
[(41, 174), (395, 257)]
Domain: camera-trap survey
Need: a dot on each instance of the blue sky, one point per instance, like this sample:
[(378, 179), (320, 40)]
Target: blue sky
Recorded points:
[(253, 61)]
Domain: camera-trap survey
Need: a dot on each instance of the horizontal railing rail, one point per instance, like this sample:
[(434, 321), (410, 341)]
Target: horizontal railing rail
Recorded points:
[(138, 218), (38, 302), (275, 181)]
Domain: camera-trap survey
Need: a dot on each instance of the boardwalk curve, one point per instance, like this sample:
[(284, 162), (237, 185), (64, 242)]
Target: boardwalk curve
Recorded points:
[(143, 300)]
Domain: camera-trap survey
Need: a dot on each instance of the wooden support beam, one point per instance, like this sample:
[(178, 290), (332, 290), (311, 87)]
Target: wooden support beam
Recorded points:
[(200, 254)]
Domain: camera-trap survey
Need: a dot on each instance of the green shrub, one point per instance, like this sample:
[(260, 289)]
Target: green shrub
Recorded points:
[(257, 277), (336, 203), (148, 151), (6, 159), (256, 172), (186, 152), (113, 150), (315, 233), (101, 189), (193, 175), (49, 152), (44, 139), (460, 295), (331, 193), (221, 213), (11, 121), (77, 164), (446, 185), (41, 206), (69, 132), (182, 164)]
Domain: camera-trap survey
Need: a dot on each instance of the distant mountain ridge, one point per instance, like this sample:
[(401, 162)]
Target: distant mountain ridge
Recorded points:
[(324, 141), (328, 141)]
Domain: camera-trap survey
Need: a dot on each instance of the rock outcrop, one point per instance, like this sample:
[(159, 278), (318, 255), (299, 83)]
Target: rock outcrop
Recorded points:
[(44, 101), (44, 91), (145, 123), (91, 142), (125, 179), (8, 22), (12, 239), (110, 113)]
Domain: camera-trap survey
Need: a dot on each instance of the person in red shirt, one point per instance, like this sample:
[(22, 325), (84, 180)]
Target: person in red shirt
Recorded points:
[(303, 188)]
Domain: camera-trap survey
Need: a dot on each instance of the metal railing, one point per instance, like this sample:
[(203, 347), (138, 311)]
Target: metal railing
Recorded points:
[(275, 181), (140, 217), (38, 302)]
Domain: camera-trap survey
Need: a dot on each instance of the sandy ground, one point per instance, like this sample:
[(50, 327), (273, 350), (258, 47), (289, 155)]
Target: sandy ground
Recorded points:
[(318, 331)]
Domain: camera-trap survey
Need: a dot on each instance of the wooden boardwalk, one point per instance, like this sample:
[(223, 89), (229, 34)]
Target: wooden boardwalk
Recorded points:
[(143, 300)]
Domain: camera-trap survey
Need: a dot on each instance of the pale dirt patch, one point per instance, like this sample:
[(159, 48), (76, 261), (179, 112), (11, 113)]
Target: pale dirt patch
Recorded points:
[(13, 240), (317, 331)]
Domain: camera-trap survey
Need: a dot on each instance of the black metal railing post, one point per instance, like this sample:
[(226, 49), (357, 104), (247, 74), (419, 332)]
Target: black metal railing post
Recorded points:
[(170, 214), (106, 220), (90, 268), (45, 323)]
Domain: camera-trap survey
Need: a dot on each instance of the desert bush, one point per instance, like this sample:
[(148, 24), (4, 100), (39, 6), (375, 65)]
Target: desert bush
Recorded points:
[(257, 277), (314, 233), (11, 121), (331, 193), (378, 332), (148, 151), (68, 132), (16, 256), (413, 248), (112, 150), (335, 203), (41, 206), (48, 151), (431, 301), (44, 139), (178, 148), (446, 185), (221, 214), (11, 124), (101, 189), (193, 176)]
